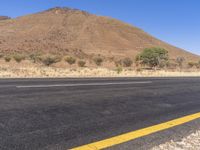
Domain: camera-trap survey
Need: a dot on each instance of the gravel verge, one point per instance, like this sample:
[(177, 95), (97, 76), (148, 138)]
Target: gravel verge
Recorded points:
[(191, 142)]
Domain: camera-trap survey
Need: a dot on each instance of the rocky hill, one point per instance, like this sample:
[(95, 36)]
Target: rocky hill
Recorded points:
[(78, 33)]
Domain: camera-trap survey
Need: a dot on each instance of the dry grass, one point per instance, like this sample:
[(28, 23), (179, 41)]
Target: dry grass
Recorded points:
[(28, 70)]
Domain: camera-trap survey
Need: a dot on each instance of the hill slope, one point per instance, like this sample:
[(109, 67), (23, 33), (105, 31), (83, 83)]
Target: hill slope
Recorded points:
[(4, 18), (78, 33)]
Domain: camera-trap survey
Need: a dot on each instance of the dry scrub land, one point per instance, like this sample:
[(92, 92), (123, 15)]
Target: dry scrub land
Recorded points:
[(27, 70)]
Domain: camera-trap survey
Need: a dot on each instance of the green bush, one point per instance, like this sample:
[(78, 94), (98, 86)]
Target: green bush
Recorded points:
[(81, 63), (18, 58), (7, 58), (152, 57), (70, 60), (49, 60), (127, 62), (98, 61)]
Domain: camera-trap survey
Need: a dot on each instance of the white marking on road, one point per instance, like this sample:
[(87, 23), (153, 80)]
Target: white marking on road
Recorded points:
[(82, 84)]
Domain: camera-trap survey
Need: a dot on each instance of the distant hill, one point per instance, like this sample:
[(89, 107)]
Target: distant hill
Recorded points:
[(78, 33), (4, 18)]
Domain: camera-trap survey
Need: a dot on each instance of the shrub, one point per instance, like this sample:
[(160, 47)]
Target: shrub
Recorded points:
[(98, 61), (7, 58), (35, 58), (49, 60), (119, 70), (191, 64), (127, 62), (152, 57), (81, 63), (118, 63), (70, 60), (180, 61), (1, 55), (18, 58)]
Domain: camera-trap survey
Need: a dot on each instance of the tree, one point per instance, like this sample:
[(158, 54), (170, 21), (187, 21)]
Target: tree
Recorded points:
[(152, 57)]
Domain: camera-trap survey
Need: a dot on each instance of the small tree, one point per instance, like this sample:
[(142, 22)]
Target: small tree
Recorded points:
[(81, 63), (70, 60), (127, 62), (152, 57), (98, 61)]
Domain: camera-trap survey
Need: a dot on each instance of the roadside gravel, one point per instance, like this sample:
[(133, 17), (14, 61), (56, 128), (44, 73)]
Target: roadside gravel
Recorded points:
[(191, 142)]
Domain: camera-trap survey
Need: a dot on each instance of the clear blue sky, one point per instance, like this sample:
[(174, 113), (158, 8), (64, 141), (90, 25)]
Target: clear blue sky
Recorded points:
[(174, 21)]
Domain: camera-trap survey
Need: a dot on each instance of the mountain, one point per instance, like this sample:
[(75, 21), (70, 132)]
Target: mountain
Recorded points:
[(4, 18), (78, 33)]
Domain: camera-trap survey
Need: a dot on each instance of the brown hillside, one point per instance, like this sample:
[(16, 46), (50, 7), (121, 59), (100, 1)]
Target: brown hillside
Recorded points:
[(4, 18), (78, 33)]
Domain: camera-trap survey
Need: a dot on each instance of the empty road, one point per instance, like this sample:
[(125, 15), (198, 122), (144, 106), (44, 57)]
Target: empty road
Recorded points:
[(59, 114)]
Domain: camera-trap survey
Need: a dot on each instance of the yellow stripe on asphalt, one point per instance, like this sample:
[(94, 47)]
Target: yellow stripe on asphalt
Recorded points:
[(137, 134)]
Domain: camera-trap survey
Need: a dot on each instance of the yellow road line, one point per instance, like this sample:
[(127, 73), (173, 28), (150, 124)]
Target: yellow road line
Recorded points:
[(137, 134)]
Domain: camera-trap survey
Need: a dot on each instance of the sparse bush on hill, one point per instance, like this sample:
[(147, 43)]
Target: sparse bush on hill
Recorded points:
[(127, 62), (18, 58), (49, 60), (7, 58), (118, 63), (191, 64), (119, 70), (35, 58), (81, 63), (70, 60), (180, 61), (98, 61), (152, 57), (1, 55)]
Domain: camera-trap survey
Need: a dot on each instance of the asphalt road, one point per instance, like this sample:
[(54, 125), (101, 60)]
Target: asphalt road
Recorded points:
[(58, 114)]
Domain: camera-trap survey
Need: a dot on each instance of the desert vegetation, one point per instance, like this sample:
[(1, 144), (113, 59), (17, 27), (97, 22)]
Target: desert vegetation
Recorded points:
[(49, 60), (7, 58), (70, 60), (18, 58), (150, 61), (81, 63), (98, 61), (153, 57)]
